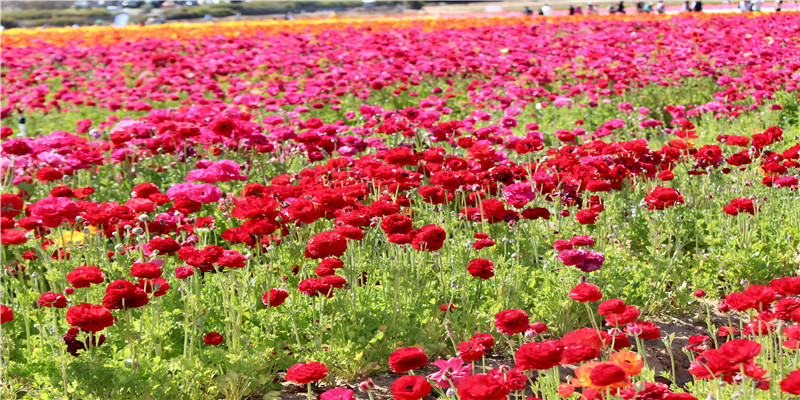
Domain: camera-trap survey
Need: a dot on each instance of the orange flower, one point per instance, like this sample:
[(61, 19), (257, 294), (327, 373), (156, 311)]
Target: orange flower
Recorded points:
[(629, 361)]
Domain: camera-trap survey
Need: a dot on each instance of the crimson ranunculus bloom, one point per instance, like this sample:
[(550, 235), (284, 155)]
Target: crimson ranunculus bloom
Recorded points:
[(663, 197), (430, 238), (6, 314), (511, 321), (50, 299), (539, 355), (791, 384), (625, 317), (213, 338), (470, 351), (410, 387), (605, 374), (485, 339), (90, 317), (274, 297), (164, 245), (303, 373), (406, 359), (314, 287), (483, 387), (611, 306), (146, 270), (586, 217), (644, 330), (396, 223), (481, 268), (82, 277), (122, 294), (789, 285), (326, 244), (585, 293)]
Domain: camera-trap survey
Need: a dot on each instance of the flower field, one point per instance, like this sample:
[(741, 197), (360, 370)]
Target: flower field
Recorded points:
[(474, 208)]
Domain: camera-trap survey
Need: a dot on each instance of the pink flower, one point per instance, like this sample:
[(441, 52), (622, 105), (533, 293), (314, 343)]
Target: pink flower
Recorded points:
[(585, 260), (337, 394), (203, 193), (452, 370), (519, 194)]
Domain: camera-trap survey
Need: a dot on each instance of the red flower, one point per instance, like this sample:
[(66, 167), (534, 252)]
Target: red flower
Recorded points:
[(605, 374), (740, 204), (585, 293), (430, 238), (586, 217), (146, 270), (410, 387), (611, 306), (485, 339), (274, 297), (6, 314), (644, 330), (315, 287), (481, 268), (578, 354), (786, 286), (511, 321), (10, 205), (50, 299), (49, 174), (791, 384), (627, 316), (9, 237), (539, 355), (396, 223), (483, 387), (122, 294), (662, 197), (470, 351), (183, 272), (326, 244), (213, 338), (406, 359), (89, 317), (304, 211), (761, 295), (82, 277), (157, 287), (164, 245), (304, 373), (729, 360)]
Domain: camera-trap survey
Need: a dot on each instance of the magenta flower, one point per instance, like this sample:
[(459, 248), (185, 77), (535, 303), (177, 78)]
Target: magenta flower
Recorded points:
[(452, 370)]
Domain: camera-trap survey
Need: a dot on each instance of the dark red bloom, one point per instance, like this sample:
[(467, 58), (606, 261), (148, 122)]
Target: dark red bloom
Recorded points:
[(410, 387), (406, 359), (89, 317), (304, 373), (539, 355), (585, 293), (483, 387), (50, 299), (82, 277), (663, 197), (212, 338), (470, 351), (481, 268), (326, 244), (122, 294), (511, 321)]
